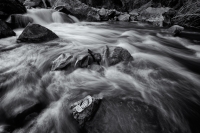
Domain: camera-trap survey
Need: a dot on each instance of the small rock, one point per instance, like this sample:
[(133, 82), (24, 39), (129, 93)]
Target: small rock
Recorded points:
[(35, 33), (85, 109), (175, 30), (61, 62), (134, 13), (102, 12), (118, 55), (124, 17), (96, 56), (5, 31), (84, 61)]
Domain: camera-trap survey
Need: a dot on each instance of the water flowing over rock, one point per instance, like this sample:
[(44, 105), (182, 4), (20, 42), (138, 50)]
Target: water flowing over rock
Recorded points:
[(36, 33), (20, 21), (5, 31), (11, 7), (61, 17)]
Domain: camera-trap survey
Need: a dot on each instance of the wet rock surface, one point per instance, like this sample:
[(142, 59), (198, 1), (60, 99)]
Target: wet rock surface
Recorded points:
[(35, 33), (61, 62), (140, 117), (119, 54), (5, 31), (85, 109)]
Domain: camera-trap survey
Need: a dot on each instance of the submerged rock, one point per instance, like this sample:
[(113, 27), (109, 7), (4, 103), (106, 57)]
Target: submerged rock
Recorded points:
[(5, 31), (85, 109), (35, 33), (61, 62)]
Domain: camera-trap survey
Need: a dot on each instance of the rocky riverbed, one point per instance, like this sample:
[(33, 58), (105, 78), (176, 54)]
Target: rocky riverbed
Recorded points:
[(86, 66)]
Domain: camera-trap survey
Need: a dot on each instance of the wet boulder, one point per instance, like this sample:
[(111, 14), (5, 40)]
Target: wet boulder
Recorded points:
[(85, 61), (113, 56), (85, 109), (5, 31), (61, 62), (35, 33), (115, 115), (124, 17), (11, 7)]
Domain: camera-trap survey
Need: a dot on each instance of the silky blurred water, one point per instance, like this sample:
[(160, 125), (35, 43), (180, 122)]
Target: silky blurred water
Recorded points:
[(164, 73)]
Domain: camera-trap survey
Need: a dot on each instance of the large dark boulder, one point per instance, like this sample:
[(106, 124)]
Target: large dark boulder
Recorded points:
[(5, 31), (115, 115), (11, 7), (35, 33)]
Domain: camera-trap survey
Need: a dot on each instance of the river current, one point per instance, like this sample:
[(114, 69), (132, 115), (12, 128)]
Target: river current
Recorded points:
[(165, 73)]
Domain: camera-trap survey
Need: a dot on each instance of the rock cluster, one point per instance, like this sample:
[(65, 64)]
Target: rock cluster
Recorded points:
[(93, 61)]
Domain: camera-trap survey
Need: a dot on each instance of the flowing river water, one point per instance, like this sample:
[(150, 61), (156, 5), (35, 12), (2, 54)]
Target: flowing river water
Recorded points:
[(164, 74)]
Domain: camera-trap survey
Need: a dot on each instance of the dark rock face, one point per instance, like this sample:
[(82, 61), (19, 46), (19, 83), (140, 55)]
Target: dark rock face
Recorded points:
[(188, 15), (5, 31), (84, 111), (136, 117), (11, 7), (35, 33)]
